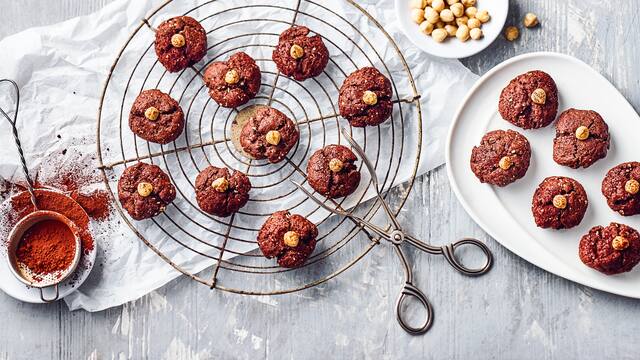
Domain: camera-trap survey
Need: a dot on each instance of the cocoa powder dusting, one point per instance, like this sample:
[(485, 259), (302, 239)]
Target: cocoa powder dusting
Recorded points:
[(96, 204), (57, 202)]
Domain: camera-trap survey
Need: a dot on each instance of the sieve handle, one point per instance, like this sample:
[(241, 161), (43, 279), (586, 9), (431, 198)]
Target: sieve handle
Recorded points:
[(50, 300), (12, 121)]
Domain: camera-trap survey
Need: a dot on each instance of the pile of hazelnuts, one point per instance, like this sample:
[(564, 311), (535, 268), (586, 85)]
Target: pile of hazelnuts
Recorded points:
[(448, 18)]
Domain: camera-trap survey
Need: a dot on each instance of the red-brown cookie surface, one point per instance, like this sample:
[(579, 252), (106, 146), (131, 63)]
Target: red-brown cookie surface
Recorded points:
[(494, 146), (169, 124), (174, 58), (140, 207), (516, 105), (597, 251), (352, 106), (271, 239), (232, 95), (546, 215), (575, 153), (312, 62), (613, 188), (253, 136), (333, 184), (222, 203)]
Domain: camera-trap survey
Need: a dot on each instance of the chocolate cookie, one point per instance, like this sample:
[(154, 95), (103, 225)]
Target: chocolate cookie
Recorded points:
[(299, 55), (502, 157), (559, 203), (268, 134), (221, 193), (611, 250), (331, 171), (233, 82), (582, 138), (365, 98), (145, 190), (156, 117), (289, 238), (621, 187), (180, 42), (530, 101)]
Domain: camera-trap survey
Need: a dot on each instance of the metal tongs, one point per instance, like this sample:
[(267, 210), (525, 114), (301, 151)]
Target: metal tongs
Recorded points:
[(394, 234)]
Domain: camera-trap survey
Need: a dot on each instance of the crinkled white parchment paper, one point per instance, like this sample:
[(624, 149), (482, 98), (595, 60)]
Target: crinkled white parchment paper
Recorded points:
[(61, 70)]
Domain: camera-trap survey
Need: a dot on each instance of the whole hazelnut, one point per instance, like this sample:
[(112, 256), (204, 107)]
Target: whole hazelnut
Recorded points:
[(336, 165), (446, 15), (474, 23), (439, 35), (483, 16), (178, 40), (291, 238), (530, 20), (273, 137), (296, 51), (463, 33), (468, 3), (145, 189), (511, 33), (560, 201), (582, 133), (432, 16), (457, 9), (152, 113), (619, 243), (476, 33), (453, 2), (417, 15), (451, 29), (471, 12), (505, 163), (632, 186), (437, 5), (538, 96), (369, 97), (232, 77), (426, 27), (463, 20), (220, 184)]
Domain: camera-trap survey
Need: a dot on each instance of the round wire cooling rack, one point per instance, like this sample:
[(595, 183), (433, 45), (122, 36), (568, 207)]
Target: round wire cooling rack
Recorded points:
[(221, 252)]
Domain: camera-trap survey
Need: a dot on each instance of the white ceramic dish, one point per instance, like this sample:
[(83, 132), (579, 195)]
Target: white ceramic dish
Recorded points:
[(17, 290), (505, 213), (453, 48)]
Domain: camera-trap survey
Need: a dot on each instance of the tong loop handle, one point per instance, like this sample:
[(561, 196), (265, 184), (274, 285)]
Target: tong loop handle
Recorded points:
[(45, 300), (14, 128), (449, 252), (408, 291)]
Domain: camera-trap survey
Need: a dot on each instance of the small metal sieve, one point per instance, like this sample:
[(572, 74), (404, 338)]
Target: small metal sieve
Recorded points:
[(23, 273)]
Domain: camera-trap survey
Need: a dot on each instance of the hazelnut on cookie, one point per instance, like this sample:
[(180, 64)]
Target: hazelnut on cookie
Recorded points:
[(289, 238), (220, 192), (332, 172), (180, 42)]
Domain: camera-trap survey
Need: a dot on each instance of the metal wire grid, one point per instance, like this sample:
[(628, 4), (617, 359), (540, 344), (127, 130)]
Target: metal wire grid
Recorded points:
[(168, 157)]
